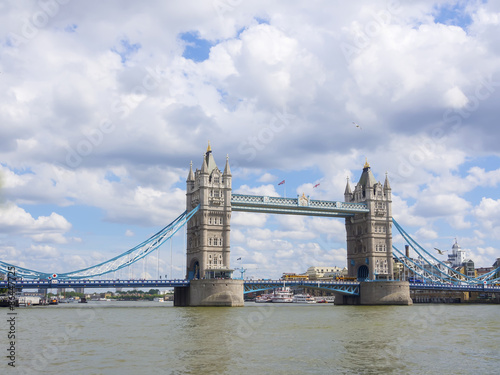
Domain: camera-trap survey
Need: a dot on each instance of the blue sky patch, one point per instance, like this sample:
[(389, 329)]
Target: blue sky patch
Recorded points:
[(126, 49), (261, 20), (197, 49), (111, 177), (71, 28), (453, 14)]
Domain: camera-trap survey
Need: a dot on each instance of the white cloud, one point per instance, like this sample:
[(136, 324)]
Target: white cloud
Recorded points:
[(488, 215), (441, 205), (265, 190), (427, 234), (267, 177), (14, 219), (44, 251), (248, 219), (424, 92)]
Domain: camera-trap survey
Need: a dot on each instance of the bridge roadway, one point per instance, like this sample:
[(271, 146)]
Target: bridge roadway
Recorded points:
[(342, 287)]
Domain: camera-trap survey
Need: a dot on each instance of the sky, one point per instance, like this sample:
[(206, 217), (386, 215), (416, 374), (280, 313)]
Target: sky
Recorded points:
[(103, 105)]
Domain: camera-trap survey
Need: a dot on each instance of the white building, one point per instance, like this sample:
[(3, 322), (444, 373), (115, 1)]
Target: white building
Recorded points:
[(457, 256), (316, 273)]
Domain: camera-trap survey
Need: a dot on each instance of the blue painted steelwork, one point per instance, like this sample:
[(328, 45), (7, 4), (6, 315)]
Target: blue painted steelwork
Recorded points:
[(55, 283), (350, 288), (123, 260), (438, 275), (295, 206), (459, 288), (457, 276), (419, 270)]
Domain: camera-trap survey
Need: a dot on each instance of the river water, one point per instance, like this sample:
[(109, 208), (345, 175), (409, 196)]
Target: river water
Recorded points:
[(157, 338)]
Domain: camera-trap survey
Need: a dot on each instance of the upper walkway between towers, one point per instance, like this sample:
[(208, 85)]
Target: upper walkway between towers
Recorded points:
[(301, 205)]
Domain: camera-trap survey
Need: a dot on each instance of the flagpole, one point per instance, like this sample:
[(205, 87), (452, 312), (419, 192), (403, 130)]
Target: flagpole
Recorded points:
[(284, 187)]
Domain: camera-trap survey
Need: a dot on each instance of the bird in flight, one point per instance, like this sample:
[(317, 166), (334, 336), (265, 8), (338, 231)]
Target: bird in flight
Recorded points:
[(441, 252), (357, 125)]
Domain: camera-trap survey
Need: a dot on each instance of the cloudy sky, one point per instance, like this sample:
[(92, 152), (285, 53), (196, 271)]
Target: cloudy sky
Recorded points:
[(104, 104)]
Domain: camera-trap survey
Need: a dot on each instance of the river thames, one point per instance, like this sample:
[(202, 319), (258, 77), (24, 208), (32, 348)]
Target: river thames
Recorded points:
[(157, 338)]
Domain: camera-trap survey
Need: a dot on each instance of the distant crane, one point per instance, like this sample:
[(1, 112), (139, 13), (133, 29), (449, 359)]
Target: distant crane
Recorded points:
[(242, 271)]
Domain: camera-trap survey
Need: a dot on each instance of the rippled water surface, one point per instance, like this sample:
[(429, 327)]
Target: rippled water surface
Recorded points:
[(157, 338)]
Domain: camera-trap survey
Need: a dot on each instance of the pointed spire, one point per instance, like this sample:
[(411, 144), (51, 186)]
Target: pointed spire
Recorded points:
[(204, 166), (209, 149), (367, 179), (366, 164), (387, 186), (191, 174), (347, 187), (227, 170)]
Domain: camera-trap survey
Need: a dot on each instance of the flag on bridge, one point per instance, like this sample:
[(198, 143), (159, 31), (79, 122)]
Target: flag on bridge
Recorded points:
[(315, 186), (282, 182)]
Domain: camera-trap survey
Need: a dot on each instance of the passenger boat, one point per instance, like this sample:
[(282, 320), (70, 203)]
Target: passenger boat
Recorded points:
[(327, 299), (53, 301), (303, 298), (282, 295), (263, 298)]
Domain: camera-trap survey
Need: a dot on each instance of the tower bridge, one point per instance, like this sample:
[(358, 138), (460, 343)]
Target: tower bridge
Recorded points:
[(366, 210)]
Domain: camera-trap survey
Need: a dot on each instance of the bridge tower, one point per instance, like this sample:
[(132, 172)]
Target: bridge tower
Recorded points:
[(209, 229), (369, 235), (208, 236)]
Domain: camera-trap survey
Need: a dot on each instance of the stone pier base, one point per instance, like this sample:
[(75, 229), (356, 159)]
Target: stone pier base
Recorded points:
[(210, 292), (385, 293)]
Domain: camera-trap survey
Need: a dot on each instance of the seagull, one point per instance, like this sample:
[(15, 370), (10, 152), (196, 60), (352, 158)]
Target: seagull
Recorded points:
[(441, 252), (357, 125)]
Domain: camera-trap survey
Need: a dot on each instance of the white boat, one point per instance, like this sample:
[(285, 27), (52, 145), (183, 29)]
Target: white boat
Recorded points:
[(282, 295), (159, 299), (263, 298), (327, 299), (303, 298)]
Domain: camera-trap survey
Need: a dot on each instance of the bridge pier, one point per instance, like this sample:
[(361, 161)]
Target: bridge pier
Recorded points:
[(379, 293), (385, 293), (210, 292)]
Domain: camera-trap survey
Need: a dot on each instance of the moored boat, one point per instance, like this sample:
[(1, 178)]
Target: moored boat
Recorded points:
[(282, 295), (263, 298), (326, 299), (303, 298)]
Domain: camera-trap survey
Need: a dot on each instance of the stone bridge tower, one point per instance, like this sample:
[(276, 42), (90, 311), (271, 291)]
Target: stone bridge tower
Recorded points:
[(208, 230), (369, 235)]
